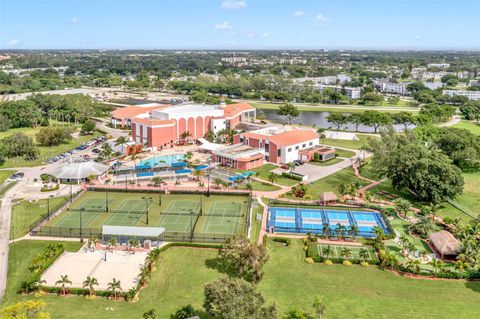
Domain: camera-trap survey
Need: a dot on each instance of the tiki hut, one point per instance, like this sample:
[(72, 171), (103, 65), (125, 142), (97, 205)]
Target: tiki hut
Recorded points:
[(444, 244), (328, 197)]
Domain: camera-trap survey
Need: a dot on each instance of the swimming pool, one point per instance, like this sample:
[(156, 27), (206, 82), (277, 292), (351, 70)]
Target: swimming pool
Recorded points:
[(163, 160), (313, 220)]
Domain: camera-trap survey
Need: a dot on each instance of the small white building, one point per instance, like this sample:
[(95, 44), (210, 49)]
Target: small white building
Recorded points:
[(78, 170), (471, 95)]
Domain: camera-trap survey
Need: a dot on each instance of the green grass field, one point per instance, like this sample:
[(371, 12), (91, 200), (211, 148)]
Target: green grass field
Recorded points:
[(344, 153), (354, 145), (44, 151), (25, 212), (474, 128), (288, 281), (346, 108), (4, 174), (220, 214), (331, 182), (260, 186), (264, 171)]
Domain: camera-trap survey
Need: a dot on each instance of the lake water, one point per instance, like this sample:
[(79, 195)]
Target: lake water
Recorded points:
[(317, 119)]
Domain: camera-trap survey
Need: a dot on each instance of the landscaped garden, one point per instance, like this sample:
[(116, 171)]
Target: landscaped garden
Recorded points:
[(264, 171), (354, 290)]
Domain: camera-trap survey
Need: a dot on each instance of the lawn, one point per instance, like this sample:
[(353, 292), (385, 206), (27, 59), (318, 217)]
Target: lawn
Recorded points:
[(4, 174), (468, 125), (264, 171), (331, 182), (288, 281), (346, 108), (327, 163), (354, 145), (45, 152), (344, 153), (25, 212), (260, 186)]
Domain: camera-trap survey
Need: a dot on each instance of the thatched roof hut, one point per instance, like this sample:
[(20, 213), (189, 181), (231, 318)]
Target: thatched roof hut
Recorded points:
[(328, 197), (445, 244)]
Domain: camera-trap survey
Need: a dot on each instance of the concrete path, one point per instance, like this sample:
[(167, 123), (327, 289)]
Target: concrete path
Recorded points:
[(454, 120)]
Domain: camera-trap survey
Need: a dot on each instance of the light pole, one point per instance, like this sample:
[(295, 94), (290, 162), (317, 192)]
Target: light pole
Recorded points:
[(147, 199), (71, 192), (208, 180), (81, 234), (106, 199), (48, 206)]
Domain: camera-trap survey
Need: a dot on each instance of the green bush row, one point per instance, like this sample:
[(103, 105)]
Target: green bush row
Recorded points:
[(292, 176), (338, 260), (282, 240)]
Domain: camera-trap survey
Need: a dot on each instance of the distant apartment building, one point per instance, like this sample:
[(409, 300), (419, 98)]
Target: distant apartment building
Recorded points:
[(433, 85), (391, 87), (439, 65), (326, 80), (474, 83), (351, 92), (436, 76), (471, 95), (272, 144), (235, 61)]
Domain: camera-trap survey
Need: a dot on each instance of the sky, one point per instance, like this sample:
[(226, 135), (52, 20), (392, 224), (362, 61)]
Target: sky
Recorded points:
[(240, 24)]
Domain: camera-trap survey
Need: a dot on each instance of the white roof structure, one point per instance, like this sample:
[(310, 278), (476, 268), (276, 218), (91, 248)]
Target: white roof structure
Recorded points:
[(132, 231), (78, 169), (187, 110), (341, 135), (206, 145)]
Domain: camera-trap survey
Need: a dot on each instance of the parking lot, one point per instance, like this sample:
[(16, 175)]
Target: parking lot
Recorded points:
[(86, 155)]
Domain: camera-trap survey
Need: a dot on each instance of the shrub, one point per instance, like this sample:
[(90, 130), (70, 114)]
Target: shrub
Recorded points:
[(347, 263), (292, 176), (285, 241), (364, 264), (328, 262)]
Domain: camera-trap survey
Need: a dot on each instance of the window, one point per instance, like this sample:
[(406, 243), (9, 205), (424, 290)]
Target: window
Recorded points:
[(297, 147), (241, 139), (279, 153), (303, 145), (311, 143), (289, 149)]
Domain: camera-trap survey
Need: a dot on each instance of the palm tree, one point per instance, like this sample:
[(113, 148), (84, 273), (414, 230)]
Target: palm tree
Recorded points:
[(63, 282), (201, 185), (380, 234), (437, 264), (413, 265), (291, 167), (325, 229), (112, 242), (114, 286), (319, 306), (122, 140), (272, 178), (363, 253), (346, 252), (185, 135), (353, 231), (188, 156), (328, 251), (106, 152), (402, 206), (217, 182), (133, 243), (434, 207), (92, 243), (198, 174), (249, 188), (89, 283), (321, 135)]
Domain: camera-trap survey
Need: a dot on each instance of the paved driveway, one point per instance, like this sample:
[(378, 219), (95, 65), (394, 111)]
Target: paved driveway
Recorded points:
[(315, 172)]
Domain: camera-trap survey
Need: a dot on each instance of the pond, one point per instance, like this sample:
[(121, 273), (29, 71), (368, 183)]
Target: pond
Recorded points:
[(317, 119)]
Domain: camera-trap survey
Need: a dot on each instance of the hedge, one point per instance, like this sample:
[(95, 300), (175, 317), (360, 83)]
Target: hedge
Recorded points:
[(282, 240), (292, 176), (153, 191)]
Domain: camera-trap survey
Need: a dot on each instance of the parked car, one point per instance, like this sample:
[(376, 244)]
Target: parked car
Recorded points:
[(16, 177), (96, 151)]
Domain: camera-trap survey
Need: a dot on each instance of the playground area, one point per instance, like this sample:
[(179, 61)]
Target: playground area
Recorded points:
[(182, 215), (102, 265)]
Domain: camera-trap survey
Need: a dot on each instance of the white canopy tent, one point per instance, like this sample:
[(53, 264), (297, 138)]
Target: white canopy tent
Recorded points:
[(78, 170), (208, 146)]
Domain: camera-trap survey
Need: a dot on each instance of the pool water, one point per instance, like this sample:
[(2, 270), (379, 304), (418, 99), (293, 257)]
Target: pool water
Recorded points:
[(163, 159)]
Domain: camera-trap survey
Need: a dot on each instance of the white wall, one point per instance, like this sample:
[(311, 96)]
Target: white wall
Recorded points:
[(293, 154), (218, 124)]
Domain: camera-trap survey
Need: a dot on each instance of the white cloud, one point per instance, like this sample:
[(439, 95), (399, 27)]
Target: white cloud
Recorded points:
[(73, 21), (264, 34), (416, 38), (251, 34), (321, 20), (234, 4), (223, 26), (13, 42), (298, 13)]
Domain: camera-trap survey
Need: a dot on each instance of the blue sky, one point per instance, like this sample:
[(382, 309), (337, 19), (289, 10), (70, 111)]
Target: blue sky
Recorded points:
[(240, 24)]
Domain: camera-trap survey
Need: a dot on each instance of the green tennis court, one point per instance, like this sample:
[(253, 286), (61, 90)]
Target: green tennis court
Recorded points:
[(343, 251), (178, 213)]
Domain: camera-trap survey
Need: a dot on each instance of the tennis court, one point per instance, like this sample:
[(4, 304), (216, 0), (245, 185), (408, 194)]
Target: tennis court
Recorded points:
[(336, 217), (365, 222), (177, 213)]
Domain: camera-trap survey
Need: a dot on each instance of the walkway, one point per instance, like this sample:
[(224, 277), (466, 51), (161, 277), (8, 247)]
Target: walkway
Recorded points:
[(454, 120)]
